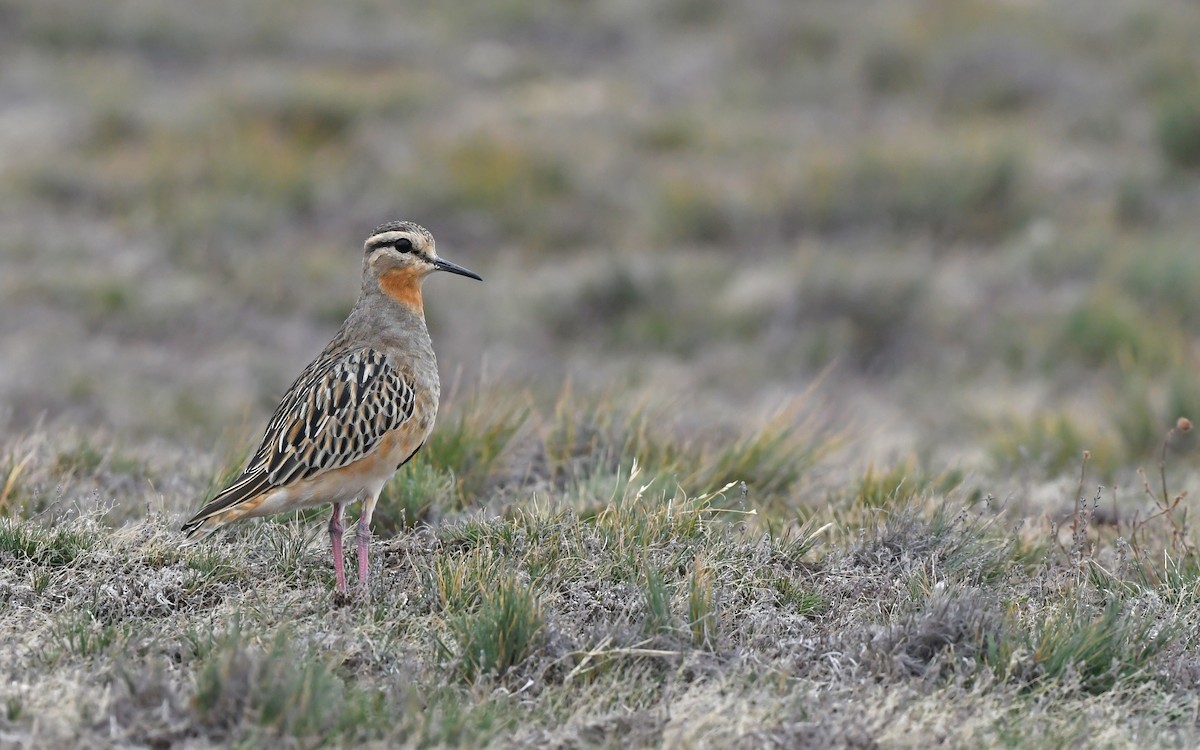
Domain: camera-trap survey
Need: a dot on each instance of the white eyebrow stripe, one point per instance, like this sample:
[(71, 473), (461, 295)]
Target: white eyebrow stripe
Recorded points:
[(390, 238)]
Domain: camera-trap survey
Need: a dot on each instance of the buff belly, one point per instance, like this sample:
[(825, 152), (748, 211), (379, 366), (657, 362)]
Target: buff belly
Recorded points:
[(363, 479)]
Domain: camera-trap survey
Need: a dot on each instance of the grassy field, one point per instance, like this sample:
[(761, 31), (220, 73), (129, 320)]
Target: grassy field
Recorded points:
[(829, 385)]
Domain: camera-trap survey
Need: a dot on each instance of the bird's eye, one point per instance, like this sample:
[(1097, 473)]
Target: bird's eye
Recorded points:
[(404, 245)]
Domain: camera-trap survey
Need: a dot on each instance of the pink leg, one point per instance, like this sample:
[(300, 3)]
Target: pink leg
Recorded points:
[(364, 541), (363, 533), (335, 536)]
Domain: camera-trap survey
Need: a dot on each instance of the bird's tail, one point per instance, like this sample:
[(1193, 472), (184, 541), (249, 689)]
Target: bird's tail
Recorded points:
[(201, 526), (234, 502)]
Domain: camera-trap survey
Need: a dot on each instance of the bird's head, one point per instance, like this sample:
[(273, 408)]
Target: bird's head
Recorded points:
[(399, 255)]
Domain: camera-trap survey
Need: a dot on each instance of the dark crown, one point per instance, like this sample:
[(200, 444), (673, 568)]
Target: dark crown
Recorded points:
[(403, 226)]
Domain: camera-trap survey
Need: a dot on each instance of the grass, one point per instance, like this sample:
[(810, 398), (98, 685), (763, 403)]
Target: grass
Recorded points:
[(498, 635), (13, 494), (769, 460), (411, 496), (702, 614), (659, 619), (50, 548), (281, 691), (843, 296), (485, 628), (469, 448), (1099, 649), (542, 616)]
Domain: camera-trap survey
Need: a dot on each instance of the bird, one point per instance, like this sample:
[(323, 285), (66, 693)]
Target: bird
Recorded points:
[(359, 411)]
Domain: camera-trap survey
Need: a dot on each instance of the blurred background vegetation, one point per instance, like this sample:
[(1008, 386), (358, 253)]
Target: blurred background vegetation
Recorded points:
[(959, 233)]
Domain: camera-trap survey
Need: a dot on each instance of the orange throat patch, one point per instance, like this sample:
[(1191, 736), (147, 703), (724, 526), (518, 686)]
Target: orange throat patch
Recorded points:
[(404, 286)]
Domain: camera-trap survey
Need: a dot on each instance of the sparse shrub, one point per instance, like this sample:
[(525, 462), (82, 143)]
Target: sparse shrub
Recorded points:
[(1073, 258), (230, 469), (284, 691), (1053, 443), (702, 203), (896, 486), (962, 547), (872, 309), (493, 174), (115, 126), (577, 441), (691, 211), (1179, 129), (1108, 328), (950, 193), (605, 300), (1134, 205), (313, 121), (635, 302), (1183, 400), (13, 707), (890, 68), (668, 134), (596, 437), (795, 40), (1162, 276), (994, 71), (452, 716), (513, 186), (83, 459), (1146, 406), (1136, 418), (1174, 575), (636, 520), (964, 625)]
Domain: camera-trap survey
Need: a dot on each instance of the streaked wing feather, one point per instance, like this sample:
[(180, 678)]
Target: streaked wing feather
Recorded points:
[(336, 412)]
